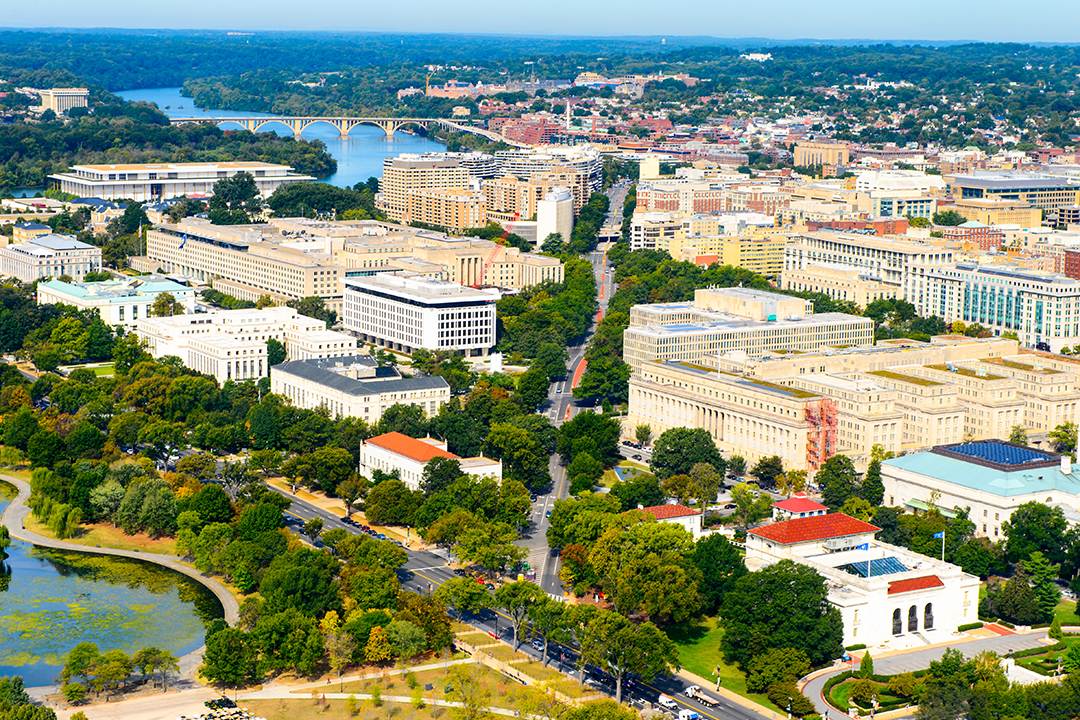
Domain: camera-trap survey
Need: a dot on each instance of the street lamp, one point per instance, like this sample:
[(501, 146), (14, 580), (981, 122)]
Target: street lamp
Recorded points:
[(789, 707)]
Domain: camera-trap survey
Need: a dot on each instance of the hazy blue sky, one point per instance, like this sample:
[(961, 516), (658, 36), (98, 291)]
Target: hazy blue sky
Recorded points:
[(995, 20)]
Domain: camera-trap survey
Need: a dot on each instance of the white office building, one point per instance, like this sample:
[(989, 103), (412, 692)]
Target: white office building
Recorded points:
[(148, 182), (49, 256), (118, 302), (555, 214), (406, 312), (355, 386), (231, 344)]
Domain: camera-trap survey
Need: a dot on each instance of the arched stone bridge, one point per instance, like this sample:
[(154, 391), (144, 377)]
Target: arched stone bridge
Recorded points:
[(345, 124)]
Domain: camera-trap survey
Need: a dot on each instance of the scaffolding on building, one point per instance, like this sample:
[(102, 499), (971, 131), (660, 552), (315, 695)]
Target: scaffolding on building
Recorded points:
[(821, 438)]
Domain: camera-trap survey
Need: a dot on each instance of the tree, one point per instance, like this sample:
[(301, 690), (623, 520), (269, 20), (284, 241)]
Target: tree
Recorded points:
[(721, 566), (791, 482), (618, 647), (378, 647), (440, 473), (313, 529), (784, 605), (106, 500), (275, 352), (340, 647), (551, 620), (768, 469), (749, 508), (314, 307), (873, 489), (463, 594), (532, 389), (166, 305), (837, 479), (351, 491), (1018, 435), (151, 660), (229, 657), (949, 218), (406, 638), (45, 449), (1063, 438), (778, 665), (1044, 583), (166, 440), (517, 598), (235, 201), (82, 662), (643, 434), (866, 666), (1035, 527), (737, 465), (679, 449)]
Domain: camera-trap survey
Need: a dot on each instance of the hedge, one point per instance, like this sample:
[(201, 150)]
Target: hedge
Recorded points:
[(1040, 650), (883, 679), (1006, 623), (969, 626), (860, 646)]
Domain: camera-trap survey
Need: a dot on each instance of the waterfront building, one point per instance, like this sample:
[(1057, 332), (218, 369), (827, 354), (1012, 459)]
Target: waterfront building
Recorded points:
[(117, 302), (60, 100), (149, 182)]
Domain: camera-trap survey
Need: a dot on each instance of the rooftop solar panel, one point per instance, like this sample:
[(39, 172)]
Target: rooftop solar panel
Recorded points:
[(1000, 453), (875, 567)]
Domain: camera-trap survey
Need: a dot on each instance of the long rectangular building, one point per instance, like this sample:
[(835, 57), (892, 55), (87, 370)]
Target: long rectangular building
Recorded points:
[(49, 256), (147, 182)]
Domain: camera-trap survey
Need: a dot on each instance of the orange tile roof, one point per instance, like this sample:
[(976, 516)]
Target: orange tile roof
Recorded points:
[(666, 512), (809, 529), (411, 448), (919, 583), (800, 504)]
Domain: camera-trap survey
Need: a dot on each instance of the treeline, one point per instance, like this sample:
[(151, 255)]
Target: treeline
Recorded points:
[(548, 313), (139, 133)]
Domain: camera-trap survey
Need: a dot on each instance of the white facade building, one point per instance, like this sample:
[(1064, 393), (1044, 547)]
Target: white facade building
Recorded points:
[(888, 596), (555, 214), (158, 181), (231, 344), (688, 519), (404, 313), (355, 386), (408, 456), (49, 256), (118, 302)]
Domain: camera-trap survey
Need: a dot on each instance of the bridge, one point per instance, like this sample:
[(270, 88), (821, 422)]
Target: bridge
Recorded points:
[(344, 124)]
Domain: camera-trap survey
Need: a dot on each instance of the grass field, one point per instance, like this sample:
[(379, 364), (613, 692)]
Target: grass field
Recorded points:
[(106, 536), (839, 696), (699, 652), (504, 653), (1065, 612)]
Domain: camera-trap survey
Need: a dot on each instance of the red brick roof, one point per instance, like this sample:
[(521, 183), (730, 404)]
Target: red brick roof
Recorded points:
[(411, 448), (919, 583), (809, 529), (800, 504), (666, 512)]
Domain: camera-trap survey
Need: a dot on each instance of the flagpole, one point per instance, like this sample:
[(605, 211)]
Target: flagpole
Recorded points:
[(943, 547)]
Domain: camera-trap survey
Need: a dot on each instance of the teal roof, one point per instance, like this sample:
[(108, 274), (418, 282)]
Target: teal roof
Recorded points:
[(1004, 483), (116, 290)]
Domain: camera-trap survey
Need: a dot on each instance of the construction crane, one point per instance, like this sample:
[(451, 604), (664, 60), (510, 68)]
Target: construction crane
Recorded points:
[(427, 82), (495, 250)]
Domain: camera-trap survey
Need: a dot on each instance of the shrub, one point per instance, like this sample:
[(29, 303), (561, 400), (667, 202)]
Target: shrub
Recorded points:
[(1006, 623), (780, 694), (376, 696), (1055, 629), (74, 693), (903, 685), (969, 626), (866, 666), (863, 691), (853, 648)]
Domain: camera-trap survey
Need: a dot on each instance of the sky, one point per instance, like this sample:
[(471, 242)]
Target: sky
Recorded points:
[(983, 20)]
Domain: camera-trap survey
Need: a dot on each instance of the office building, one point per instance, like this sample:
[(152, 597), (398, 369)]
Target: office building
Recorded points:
[(49, 256), (231, 344), (990, 477), (117, 302), (60, 100), (394, 452), (847, 283), (407, 173), (992, 211), (555, 214), (405, 313), (150, 182), (809, 153), (355, 386), (26, 231), (889, 597), (728, 320), (1043, 191)]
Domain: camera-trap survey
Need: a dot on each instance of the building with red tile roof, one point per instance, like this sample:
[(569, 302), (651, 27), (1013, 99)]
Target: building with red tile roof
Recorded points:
[(394, 451), (676, 514), (887, 596), (798, 506)]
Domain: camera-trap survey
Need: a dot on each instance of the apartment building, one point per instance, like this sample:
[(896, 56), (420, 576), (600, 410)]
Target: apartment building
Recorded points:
[(49, 256), (406, 173), (409, 312), (355, 386), (231, 344), (117, 302), (455, 209), (1043, 309), (510, 196), (763, 255), (149, 182), (727, 320), (582, 160)]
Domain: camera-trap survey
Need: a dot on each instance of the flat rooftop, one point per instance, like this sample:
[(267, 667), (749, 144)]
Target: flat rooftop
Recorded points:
[(733, 323), (236, 164)]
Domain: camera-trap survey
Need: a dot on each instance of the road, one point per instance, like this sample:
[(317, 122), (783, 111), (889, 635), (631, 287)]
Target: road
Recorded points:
[(426, 570)]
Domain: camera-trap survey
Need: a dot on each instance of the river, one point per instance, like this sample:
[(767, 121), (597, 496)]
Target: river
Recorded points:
[(50, 601), (359, 156)]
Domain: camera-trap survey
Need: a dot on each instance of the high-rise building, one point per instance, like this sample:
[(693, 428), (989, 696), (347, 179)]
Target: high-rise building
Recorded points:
[(555, 214), (407, 173), (60, 100)]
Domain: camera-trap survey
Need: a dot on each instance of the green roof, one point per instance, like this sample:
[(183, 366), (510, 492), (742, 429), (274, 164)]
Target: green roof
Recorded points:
[(1020, 366), (913, 379), (967, 372)]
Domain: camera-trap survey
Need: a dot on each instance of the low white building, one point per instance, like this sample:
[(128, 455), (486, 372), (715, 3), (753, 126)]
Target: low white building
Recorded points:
[(49, 256), (394, 451), (688, 519), (991, 477), (406, 312), (798, 506), (118, 302), (231, 344), (889, 597), (355, 386)]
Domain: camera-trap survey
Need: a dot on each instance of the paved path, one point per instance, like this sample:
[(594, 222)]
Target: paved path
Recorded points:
[(14, 517), (918, 660)]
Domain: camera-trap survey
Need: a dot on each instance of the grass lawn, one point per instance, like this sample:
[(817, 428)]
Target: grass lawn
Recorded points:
[(839, 696), (545, 674), (106, 536), (306, 709), (609, 479), (393, 684), (478, 638), (1066, 614), (505, 653), (698, 644)]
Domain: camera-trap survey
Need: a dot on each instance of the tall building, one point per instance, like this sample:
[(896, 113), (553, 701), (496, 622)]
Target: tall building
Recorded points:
[(60, 100), (406, 313), (582, 160), (555, 214), (453, 209), (823, 152), (49, 256), (148, 182), (407, 173)]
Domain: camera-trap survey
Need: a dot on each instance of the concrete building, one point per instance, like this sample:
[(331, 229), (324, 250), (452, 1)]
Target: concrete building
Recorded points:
[(993, 211), (158, 181), (688, 519), (355, 386), (555, 214), (822, 152), (117, 302), (26, 231), (49, 256), (840, 282), (407, 456), (409, 312), (992, 478), (407, 173), (1042, 191), (451, 208), (508, 196), (60, 100), (582, 160), (887, 596), (231, 344), (1043, 309), (735, 320)]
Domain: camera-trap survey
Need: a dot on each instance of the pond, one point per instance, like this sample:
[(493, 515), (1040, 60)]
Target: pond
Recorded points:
[(50, 601)]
